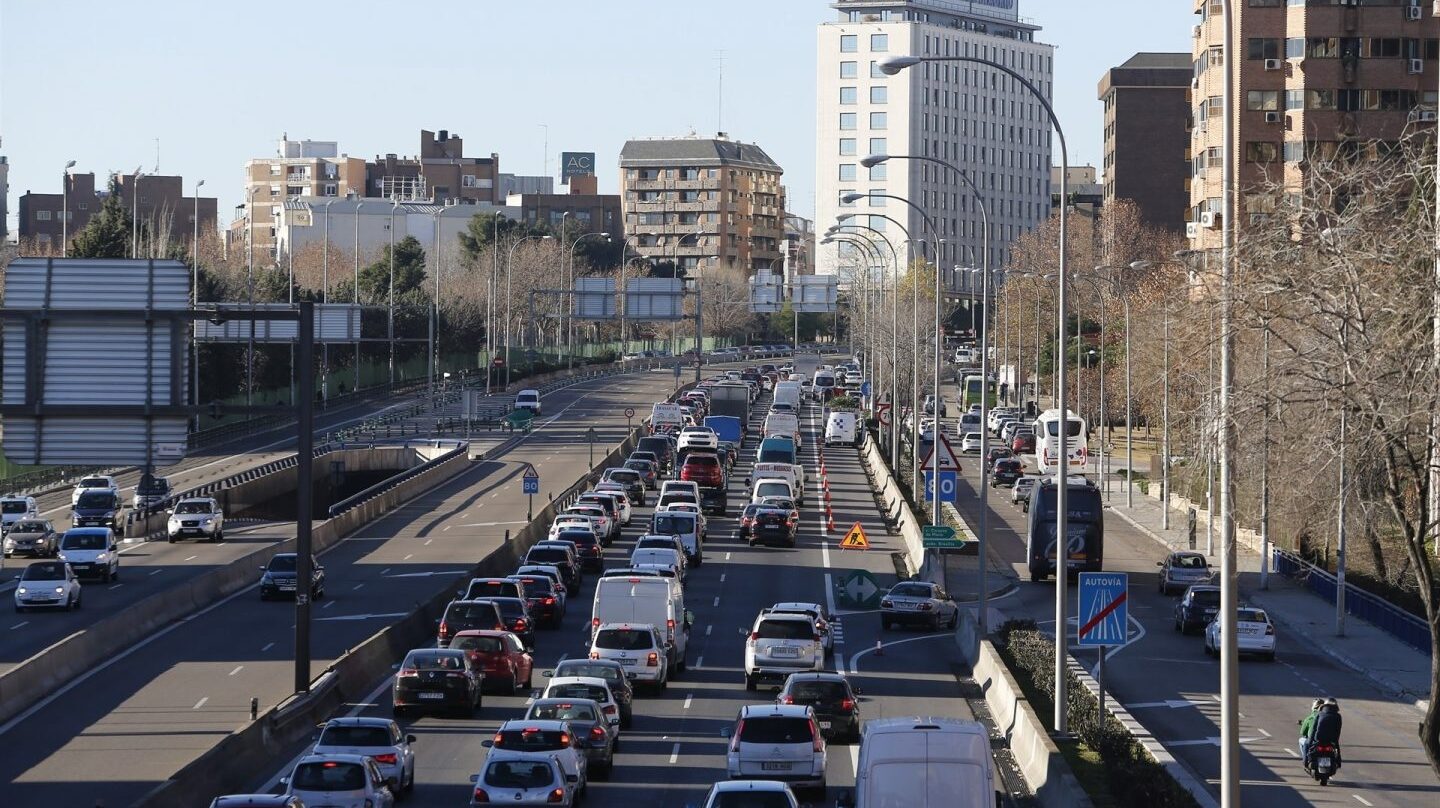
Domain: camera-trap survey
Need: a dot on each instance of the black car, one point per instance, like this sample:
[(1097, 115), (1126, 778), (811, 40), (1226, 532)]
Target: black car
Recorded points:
[(481, 588), (633, 481), (746, 520), (614, 675), (997, 453), (662, 447), (1197, 607), (467, 615), (587, 547), (150, 491), (835, 701), (277, 578), (773, 525), (557, 557), (98, 508), (516, 614), (437, 678), (543, 600), (33, 537), (1006, 471)]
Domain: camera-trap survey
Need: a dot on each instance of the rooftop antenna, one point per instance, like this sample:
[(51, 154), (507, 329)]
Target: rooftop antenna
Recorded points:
[(720, 95), (157, 155), (546, 127)]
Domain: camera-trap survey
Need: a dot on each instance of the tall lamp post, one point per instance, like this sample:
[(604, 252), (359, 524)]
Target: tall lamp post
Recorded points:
[(874, 366), (324, 299), (510, 272), (570, 301), (872, 254), (250, 295), (390, 319), (135, 214), (891, 67), (356, 290), (195, 300), (844, 222), (65, 209)]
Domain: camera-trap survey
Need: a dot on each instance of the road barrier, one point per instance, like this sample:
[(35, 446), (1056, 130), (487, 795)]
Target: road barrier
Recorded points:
[(1383, 614)]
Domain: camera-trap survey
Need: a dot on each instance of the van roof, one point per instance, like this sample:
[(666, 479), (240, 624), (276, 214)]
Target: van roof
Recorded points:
[(908, 738)]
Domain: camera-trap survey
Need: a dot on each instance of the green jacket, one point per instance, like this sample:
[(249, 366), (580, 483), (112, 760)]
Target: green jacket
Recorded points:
[(1307, 725)]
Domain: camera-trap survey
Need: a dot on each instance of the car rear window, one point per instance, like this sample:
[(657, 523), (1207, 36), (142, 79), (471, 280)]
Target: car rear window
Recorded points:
[(606, 672), (785, 630), (623, 639), (1190, 562), (470, 611), (519, 774), (434, 661), (1251, 616), (562, 711), (330, 775), (1206, 597), (493, 589), (532, 739), (355, 736), (625, 476), (673, 525), (775, 730), (485, 645), (819, 691), (751, 799), (576, 690), (548, 555), (538, 587), (702, 460), (910, 590)]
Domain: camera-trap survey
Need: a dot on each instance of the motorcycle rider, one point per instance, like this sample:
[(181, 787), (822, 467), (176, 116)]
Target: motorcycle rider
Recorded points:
[(1307, 725), (1325, 730)]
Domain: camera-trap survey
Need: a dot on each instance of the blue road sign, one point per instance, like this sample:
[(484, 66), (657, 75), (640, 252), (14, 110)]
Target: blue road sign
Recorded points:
[(949, 485), (531, 482), (1103, 614), (865, 389)]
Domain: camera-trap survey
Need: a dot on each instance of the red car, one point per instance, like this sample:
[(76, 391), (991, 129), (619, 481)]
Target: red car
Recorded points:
[(1024, 443), (501, 655)]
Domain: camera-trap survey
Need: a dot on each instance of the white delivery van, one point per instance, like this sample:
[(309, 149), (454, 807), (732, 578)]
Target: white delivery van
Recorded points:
[(783, 423), (789, 472), (644, 599), (787, 393), (771, 487), (923, 762), (666, 418), (842, 428)]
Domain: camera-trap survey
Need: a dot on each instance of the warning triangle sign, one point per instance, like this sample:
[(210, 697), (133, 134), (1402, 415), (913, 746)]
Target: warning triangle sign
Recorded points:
[(855, 539), (941, 453)]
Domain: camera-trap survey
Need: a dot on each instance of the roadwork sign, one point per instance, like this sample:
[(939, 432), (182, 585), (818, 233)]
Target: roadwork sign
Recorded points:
[(855, 539), (1103, 616), (857, 589)]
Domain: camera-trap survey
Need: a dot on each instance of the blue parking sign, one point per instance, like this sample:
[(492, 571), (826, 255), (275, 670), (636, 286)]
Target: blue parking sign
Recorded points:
[(1103, 615), (949, 485)]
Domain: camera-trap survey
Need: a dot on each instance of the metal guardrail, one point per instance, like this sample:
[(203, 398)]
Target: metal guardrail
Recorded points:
[(290, 461), (389, 483), (1385, 615)]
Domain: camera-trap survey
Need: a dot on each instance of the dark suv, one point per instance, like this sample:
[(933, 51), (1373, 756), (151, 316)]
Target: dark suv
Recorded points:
[(99, 508), (663, 448), (1006, 471), (542, 598), (465, 615)]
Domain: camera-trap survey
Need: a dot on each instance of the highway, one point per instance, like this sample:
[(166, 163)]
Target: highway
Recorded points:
[(1170, 685), (675, 749), (119, 731)]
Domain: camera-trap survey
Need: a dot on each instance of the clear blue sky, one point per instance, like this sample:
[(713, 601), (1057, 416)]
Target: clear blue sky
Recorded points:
[(218, 83)]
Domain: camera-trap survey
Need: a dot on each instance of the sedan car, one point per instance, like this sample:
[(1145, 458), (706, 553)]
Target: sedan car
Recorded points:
[(922, 602), (1254, 634), (1020, 494), (772, 525), (1197, 607), (500, 655), (1183, 569), (377, 738), (49, 584), (437, 678), (594, 733), (835, 701), (1006, 472), (32, 537), (613, 674), (340, 781), (277, 579)]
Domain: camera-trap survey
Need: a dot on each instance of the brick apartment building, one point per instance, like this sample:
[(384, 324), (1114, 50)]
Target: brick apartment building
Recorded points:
[(162, 207), (1147, 136)]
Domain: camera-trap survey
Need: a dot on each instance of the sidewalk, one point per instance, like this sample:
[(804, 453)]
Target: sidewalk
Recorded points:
[(1393, 666)]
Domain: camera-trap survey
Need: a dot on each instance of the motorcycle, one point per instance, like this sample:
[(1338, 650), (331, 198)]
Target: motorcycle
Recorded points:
[(1324, 762)]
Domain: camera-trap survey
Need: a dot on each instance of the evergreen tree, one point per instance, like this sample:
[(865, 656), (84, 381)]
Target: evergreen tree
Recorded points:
[(107, 235), (409, 273)]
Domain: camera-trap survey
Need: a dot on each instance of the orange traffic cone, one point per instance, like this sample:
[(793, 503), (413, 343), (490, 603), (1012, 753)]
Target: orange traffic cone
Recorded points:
[(830, 525)]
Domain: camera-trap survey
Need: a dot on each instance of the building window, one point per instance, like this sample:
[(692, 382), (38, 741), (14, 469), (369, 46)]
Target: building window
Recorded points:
[(1263, 48), (42, 215), (1262, 100), (1260, 151), (1383, 48), (879, 95), (877, 197), (847, 147), (1294, 151), (849, 43), (878, 172), (879, 43), (878, 120), (1266, 3), (331, 189), (1295, 47), (844, 192), (275, 170), (876, 72), (849, 70), (847, 120), (1322, 47), (847, 172), (877, 146), (878, 223), (1319, 99), (849, 95)]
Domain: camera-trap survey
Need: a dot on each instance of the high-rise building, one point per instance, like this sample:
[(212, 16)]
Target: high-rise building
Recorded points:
[(978, 119), (1147, 118), (1313, 80), (689, 200), (299, 168)]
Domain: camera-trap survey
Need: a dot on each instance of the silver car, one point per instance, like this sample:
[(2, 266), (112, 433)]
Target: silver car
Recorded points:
[(1182, 569), (923, 602), (777, 742), (340, 781), (523, 778), (377, 738)]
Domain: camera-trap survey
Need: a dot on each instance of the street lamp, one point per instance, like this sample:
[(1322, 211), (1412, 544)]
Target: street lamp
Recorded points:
[(324, 299), (390, 320), (135, 214), (843, 221), (249, 294), (194, 299), (65, 209), (872, 365), (570, 301), (872, 254), (358, 206), (509, 272)]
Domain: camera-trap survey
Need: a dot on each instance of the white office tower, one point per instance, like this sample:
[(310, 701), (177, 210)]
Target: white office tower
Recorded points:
[(974, 117)]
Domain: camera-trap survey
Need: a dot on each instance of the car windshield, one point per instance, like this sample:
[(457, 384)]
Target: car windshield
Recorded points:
[(1205, 597), (784, 630), (28, 527), (775, 730), (355, 736), (283, 563), (44, 571), (673, 525), (483, 645), (157, 485), (1189, 562), (87, 540), (562, 711), (1251, 616), (433, 661), (329, 775), (581, 668), (511, 608), (810, 692), (577, 690), (193, 507), (623, 639), (96, 499), (14, 506), (910, 590), (519, 774)]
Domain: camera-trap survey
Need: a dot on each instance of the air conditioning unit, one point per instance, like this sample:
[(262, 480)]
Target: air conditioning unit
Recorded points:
[(1196, 32), (1210, 220), (1192, 230), (1195, 83), (1425, 116), (1412, 13), (1272, 117), (1415, 66), (1273, 64)]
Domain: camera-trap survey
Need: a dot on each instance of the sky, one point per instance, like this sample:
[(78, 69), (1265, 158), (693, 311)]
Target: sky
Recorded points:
[(210, 85)]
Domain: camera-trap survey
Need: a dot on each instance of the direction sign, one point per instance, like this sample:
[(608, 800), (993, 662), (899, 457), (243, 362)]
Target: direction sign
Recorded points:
[(857, 589), (943, 453), (855, 539), (941, 537), (531, 481), (1103, 613), (949, 485)]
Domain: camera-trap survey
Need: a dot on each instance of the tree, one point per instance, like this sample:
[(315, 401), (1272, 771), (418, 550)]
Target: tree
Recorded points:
[(107, 234), (409, 272)]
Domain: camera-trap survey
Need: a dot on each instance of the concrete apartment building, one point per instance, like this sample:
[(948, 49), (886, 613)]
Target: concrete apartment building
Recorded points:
[(977, 119), (1313, 81), (712, 200), (299, 168), (162, 207), (1147, 137)]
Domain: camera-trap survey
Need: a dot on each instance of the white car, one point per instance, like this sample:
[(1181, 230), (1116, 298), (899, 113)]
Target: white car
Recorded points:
[(1254, 634), (752, 792), (522, 778), (639, 649), (616, 492), (14, 509), (102, 482), (541, 736), (585, 687), (970, 443), (200, 517), (779, 645), (573, 521), (378, 738), (815, 612), (597, 514), (49, 584), (91, 551), (340, 781), (528, 400)]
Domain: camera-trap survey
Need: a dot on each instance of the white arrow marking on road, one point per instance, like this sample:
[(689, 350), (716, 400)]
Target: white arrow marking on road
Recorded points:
[(1173, 704), (363, 616)]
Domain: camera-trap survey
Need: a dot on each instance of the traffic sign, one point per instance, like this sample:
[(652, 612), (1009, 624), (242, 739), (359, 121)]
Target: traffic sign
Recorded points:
[(941, 452), (855, 539), (531, 481), (882, 414), (941, 537), (865, 388), (1103, 616), (949, 486), (629, 412), (857, 589)]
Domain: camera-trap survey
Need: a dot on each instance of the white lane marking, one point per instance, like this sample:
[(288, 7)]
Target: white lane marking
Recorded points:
[(708, 630), (829, 594), (674, 753), (157, 572), (689, 697), (328, 604), (192, 558), (357, 586), (238, 668), (114, 586), (447, 527), (1262, 732), (1292, 752), (854, 757), (722, 577), (427, 542), (839, 661), (727, 556), (1362, 800), (385, 571), (855, 660), (717, 601), (825, 554), (700, 662), (20, 625), (200, 703), (270, 645), (408, 557)]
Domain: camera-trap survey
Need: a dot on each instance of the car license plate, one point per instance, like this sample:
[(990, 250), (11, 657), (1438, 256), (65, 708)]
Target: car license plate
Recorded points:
[(432, 696), (786, 652), (775, 767), (824, 725)]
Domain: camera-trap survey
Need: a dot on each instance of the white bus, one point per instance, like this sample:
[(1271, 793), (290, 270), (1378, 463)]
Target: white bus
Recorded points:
[(1047, 449)]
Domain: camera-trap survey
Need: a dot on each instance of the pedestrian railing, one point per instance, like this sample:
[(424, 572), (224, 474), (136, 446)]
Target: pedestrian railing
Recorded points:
[(1385, 615)]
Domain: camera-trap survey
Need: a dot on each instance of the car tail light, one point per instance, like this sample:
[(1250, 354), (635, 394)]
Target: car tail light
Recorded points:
[(594, 654), (735, 739), (925, 607), (387, 758), (816, 638), (549, 600), (653, 660), (818, 743), (406, 672), (564, 739), (847, 704), (754, 635), (479, 796), (597, 734), (444, 630), (558, 795), (520, 624), (609, 709), (886, 603), (788, 699), (594, 622)]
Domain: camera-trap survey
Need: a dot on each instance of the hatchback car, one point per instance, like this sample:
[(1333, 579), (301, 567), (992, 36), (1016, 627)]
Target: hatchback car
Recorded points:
[(970, 443), (1023, 442), (815, 612), (588, 547), (557, 738), (632, 480), (648, 471), (546, 603), (507, 666), (437, 678), (468, 615), (835, 701), (918, 602), (638, 648), (521, 778), (561, 557), (1020, 493), (1197, 607), (32, 537), (518, 621), (770, 524), (777, 742), (614, 675), (1183, 569), (585, 687), (257, 801), (1254, 634), (779, 645), (751, 794), (50, 584), (340, 781), (596, 735), (377, 738), (1006, 472)]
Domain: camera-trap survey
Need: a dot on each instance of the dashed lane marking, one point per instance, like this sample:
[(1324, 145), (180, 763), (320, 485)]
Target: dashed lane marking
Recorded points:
[(1362, 800), (20, 625), (238, 668), (200, 703), (674, 753), (689, 697), (270, 645)]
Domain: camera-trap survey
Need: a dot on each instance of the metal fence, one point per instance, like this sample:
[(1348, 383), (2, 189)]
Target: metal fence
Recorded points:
[(390, 482), (1390, 618)]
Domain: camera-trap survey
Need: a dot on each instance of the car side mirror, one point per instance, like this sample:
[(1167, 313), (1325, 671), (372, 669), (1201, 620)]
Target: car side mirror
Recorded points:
[(393, 783), (474, 778), (547, 674), (487, 743), (284, 781), (744, 632), (857, 691), (1159, 563), (410, 739), (727, 732), (572, 778)]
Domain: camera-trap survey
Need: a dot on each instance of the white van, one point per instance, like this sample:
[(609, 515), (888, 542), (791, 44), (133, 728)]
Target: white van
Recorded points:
[(791, 473), (923, 762), (783, 423), (666, 418), (787, 393), (842, 428), (771, 487), (644, 599)]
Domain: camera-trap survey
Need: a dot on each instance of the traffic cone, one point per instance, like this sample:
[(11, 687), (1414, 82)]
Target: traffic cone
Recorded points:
[(830, 525), (879, 649)]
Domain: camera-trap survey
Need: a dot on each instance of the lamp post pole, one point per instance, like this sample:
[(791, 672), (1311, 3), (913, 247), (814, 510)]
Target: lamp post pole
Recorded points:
[(434, 346), (250, 296), (358, 206), (195, 300), (390, 320), (65, 208), (324, 299), (135, 215), (894, 335)]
